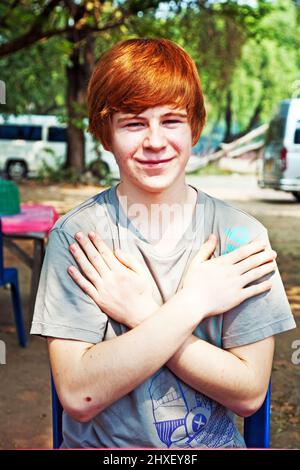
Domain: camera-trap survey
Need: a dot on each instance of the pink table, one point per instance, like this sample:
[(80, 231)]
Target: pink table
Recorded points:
[(33, 223), (33, 218)]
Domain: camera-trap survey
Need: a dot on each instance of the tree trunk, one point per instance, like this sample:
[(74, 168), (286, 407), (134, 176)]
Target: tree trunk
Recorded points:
[(78, 72), (253, 122), (228, 117), (255, 118), (75, 150)]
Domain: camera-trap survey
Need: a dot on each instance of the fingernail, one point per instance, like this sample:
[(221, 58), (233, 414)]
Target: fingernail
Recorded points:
[(92, 234), (78, 236)]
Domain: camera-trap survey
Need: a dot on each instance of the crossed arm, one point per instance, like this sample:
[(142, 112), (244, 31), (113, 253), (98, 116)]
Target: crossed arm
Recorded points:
[(90, 377)]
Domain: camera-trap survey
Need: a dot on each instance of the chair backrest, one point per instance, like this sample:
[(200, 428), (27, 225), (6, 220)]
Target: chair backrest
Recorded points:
[(57, 412), (256, 427), (1, 253)]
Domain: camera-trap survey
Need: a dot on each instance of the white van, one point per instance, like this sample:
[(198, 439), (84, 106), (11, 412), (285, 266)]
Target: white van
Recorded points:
[(29, 141), (280, 168)]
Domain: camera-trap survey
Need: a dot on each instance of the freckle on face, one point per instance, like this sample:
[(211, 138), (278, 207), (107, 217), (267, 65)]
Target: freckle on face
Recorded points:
[(88, 399)]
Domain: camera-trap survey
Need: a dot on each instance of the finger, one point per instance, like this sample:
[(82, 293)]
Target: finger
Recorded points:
[(83, 283), (129, 261), (104, 250), (257, 273), (244, 251), (256, 260), (256, 289), (87, 268), (92, 253), (207, 249)]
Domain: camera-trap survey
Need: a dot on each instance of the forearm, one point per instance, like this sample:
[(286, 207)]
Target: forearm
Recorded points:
[(216, 373), (111, 369)]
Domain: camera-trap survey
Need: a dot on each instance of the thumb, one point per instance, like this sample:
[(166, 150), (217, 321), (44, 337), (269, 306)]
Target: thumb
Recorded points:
[(207, 248), (129, 261)]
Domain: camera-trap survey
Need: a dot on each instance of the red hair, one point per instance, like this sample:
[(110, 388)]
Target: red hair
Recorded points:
[(137, 74)]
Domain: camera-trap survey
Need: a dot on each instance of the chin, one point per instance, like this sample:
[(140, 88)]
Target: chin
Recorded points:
[(154, 184)]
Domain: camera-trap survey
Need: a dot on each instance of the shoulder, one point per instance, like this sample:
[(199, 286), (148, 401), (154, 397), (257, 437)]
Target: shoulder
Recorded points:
[(234, 226), (85, 216)]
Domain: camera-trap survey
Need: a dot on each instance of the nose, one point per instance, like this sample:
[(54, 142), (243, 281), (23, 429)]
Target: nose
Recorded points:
[(155, 138)]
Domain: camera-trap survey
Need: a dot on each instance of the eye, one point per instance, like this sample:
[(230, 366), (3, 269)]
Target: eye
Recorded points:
[(133, 124), (172, 121)]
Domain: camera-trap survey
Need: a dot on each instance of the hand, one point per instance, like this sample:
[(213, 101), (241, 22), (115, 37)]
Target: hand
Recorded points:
[(116, 281), (219, 284)]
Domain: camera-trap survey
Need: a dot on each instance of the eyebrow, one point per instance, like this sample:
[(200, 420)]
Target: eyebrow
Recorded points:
[(136, 116)]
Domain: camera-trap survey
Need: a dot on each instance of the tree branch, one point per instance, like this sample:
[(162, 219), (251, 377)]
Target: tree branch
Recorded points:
[(28, 39), (34, 34), (32, 37)]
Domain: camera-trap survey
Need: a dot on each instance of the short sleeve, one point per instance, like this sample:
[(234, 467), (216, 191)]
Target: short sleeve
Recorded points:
[(261, 316), (62, 309)]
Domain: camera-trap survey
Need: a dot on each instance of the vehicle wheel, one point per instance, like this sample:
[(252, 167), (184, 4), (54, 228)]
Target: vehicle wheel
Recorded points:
[(16, 170), (296, 194), (99, 169)]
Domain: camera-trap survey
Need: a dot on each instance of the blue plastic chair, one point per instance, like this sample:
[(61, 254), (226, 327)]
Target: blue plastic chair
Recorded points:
[(57, 411), (256, 427), (10, 276)]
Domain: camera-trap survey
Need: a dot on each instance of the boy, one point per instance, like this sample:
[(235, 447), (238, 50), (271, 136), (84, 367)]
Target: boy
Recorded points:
[(161, 346)]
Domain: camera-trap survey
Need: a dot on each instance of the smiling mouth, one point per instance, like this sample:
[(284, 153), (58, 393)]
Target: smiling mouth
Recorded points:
[(154, 162)]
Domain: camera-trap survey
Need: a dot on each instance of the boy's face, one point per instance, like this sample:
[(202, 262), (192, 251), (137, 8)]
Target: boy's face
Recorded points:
[(152, 149)]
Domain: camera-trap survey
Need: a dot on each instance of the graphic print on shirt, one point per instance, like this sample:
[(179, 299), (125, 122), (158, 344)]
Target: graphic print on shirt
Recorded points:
[(236, 237), (186, 418)]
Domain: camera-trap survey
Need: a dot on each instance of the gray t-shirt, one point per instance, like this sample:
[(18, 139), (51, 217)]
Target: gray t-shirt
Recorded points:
[(163, 412)]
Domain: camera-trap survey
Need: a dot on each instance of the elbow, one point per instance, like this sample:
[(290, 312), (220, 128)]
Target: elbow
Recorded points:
[(79, 414), (82, 414), (82, 409), (246, 408)]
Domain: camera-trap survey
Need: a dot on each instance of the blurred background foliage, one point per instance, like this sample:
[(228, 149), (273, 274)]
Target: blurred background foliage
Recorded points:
[(247, 54)]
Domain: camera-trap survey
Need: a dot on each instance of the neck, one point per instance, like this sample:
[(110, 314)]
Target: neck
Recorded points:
[(158, 211), (177, 194)]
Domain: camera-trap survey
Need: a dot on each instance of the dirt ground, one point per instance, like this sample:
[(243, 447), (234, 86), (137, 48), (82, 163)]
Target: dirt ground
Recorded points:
[(25, 405)]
